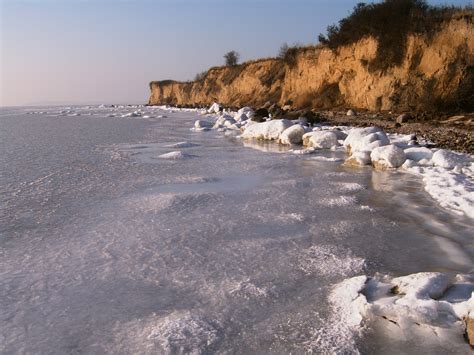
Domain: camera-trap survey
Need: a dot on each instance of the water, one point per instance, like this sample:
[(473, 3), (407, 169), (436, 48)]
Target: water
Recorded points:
[(105, 247)]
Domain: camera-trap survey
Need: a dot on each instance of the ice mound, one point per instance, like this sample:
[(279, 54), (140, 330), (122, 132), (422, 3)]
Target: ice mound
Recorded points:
[(387, 157), (269, 130), (320, 139), (327, 260), (176, 155), (428, 305), (182, 145), (292, 135)]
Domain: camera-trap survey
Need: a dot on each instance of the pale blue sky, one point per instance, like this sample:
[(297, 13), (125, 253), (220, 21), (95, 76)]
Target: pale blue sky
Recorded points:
[(106, 51)]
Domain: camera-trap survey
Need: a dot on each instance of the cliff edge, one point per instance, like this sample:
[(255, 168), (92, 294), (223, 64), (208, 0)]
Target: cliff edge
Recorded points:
[(436, 72)]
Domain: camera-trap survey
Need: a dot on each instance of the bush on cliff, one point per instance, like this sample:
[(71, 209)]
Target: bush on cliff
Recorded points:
[(390, 22)]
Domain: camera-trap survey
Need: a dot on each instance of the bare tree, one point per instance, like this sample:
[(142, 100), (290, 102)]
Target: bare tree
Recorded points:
[(231, 58)]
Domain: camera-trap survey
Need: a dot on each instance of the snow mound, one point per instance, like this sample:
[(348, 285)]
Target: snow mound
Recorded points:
[(320, 139), (176, 155), (292, 135), (387, 157), (269, 130), (202, 125)]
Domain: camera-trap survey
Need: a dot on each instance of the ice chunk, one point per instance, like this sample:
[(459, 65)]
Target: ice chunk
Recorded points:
[(200, 124), (387, 157)]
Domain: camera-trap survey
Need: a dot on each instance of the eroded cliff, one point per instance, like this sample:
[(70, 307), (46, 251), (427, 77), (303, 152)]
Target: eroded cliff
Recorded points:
[(436, 73)]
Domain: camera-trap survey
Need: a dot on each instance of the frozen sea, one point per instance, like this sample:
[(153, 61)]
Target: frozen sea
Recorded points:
[(228, 247)]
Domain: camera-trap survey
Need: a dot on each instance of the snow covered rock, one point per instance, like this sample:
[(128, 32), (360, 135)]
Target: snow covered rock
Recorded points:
[(448, 159), (418, 153), (320, 139), (358, 158), (215, 108), (224, 121), (247, 111), (387, 157), (292, 135), (269, 130), (365, 139), (426, 306)]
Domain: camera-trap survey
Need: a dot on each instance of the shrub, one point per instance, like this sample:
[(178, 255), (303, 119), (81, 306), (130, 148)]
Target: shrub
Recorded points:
[(288, 54), (200, 76), (231, 58), (283, 50), (390, 22)]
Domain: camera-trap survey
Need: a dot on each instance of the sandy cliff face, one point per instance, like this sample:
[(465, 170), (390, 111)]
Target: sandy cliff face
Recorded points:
[(437, 72)]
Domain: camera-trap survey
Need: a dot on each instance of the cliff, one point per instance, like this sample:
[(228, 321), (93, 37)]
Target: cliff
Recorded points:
[(435, 73)]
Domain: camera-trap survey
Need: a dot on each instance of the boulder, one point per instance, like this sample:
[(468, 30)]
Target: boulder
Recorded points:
[(320, 139), (365, 139), (260, 115), (269, 130), (292, 135), (387, 157), (403, 118)]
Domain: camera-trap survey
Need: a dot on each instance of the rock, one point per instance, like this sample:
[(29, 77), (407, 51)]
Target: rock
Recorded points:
[(469, 323), (292, 135), (260, 115), (387, 157), (365, 139), (448, 159), (286, 107), (246, 110), (351, 113), (241, 117), (269, 130), (403, 118), (320, 140)]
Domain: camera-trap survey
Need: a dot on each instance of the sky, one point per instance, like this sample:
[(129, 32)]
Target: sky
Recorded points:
[(107, 51)]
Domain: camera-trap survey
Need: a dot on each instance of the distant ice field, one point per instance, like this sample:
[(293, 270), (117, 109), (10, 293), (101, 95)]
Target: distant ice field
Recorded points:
[(123, 231)]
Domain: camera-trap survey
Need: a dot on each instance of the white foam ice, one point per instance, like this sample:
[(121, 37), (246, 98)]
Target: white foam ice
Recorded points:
[(325, 260)]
